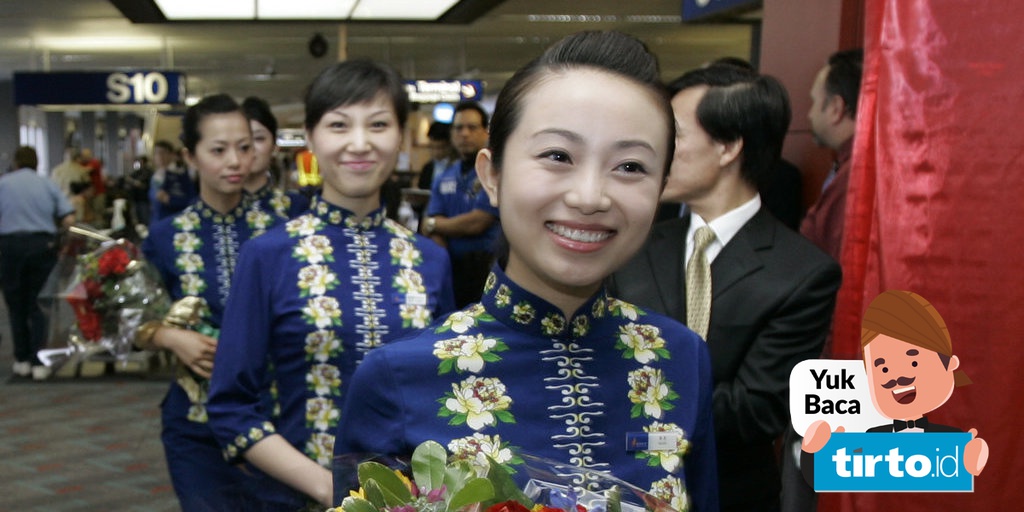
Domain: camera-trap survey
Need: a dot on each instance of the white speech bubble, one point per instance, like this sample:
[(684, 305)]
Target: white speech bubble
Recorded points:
[(818, 385)]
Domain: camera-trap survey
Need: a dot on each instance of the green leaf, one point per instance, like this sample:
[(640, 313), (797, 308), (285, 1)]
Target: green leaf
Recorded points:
[(504, 487), (394, 490), (475, 491), (613, 495), (446, 366), (505, 416), (636, 411), (428, 464), (373, 493), (351, 504)]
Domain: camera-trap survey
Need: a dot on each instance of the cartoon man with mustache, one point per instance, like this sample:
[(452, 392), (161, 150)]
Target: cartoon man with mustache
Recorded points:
[(911, 371)]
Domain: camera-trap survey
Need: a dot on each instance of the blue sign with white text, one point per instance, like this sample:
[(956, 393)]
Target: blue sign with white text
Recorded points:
[(135, 87), (886, 462)]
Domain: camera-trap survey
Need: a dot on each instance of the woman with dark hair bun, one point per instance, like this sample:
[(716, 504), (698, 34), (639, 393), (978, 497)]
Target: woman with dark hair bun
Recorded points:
[(548, 363), (260, 183), (319, 293), (195, 252)]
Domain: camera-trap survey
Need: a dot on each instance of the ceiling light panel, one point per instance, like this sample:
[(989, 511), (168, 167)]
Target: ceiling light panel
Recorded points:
[(401, 9), (207, 9), (304, 10)]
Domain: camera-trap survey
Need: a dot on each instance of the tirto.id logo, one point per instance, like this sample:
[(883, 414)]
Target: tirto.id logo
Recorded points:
[(893, 463)]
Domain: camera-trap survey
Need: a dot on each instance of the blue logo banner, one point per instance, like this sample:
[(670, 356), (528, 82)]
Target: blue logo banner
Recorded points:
[(885, 462)]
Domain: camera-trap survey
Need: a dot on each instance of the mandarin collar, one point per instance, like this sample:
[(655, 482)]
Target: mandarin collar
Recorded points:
[(206, 212), (339, 216), (512, 305)]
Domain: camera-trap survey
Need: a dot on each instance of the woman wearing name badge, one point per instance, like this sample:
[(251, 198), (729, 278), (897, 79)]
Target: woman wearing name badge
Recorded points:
[(547, 363), (195, 253), (320, 292)]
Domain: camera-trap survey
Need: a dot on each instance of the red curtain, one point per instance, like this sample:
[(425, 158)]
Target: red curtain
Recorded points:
[(936, 194)]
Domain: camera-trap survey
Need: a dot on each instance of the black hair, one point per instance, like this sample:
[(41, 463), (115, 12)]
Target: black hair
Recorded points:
[(257, 109), (355, 81), (463, 106), (439, 131), (614, 52), (845, 69), (215, 104), (732, 61), (742, 105), (25, 157)]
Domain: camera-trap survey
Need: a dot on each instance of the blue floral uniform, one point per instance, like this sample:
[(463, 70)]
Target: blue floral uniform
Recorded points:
[(195, 252), (320, 292), (282, 204), (511, 375)]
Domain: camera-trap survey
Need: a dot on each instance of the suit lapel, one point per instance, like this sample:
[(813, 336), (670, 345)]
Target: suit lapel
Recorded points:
[(739, 258), (665, 257)]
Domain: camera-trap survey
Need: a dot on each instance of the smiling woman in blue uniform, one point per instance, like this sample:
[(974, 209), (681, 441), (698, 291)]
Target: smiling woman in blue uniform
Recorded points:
[(320, 292), (547, 363), (195, 252)]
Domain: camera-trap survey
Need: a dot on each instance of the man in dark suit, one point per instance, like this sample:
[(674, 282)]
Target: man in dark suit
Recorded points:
[(771, 291)]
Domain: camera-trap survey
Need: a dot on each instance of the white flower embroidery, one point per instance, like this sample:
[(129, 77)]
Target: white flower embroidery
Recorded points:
[(321, 345), (648, 388), (321, 413), (190, 262), (314, 249), (476, 448), (466, 349), (672, 491), (644, 340), (324, 379), (322, 311), (320, 448), (317, 279), (478, 399), (460, 321)]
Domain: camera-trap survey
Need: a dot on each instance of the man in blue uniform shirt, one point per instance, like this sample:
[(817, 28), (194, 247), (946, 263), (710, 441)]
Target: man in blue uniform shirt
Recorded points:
[(459, 215)]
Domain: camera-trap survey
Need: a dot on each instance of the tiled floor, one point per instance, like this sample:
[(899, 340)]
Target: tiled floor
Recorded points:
[(80, 443)]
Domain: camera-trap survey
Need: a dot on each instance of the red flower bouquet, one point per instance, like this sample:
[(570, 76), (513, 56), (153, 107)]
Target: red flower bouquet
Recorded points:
[(112, 292)]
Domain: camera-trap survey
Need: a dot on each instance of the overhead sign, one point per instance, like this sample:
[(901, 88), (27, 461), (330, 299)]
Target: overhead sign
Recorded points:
[(444, 91), (134, 87), (698, 9)]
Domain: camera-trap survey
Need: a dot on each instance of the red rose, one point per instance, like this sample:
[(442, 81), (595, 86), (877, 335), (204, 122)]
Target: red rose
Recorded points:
[(93, 288), (90, 327), (508, 506), (114, 261)]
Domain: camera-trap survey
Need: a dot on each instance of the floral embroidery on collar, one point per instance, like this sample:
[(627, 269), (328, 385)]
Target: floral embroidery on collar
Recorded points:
[(205, 211), (339, 216), (530, 314)]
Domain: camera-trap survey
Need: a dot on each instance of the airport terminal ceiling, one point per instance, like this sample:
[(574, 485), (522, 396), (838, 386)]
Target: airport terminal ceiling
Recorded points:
[(273, 59)]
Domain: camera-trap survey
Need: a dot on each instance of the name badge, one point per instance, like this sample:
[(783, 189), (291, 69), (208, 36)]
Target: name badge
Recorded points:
[(416, 299), (448, 187), (651, 441)]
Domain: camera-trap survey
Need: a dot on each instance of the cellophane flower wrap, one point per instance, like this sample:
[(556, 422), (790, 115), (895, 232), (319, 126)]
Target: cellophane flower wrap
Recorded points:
[(112, 292), (429, 482)]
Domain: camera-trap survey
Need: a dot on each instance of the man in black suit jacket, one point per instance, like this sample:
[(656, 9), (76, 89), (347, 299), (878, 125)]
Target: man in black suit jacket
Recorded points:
[(772, 291)]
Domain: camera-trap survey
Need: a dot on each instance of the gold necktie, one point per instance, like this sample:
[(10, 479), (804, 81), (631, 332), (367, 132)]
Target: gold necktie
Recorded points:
[(698, 283)]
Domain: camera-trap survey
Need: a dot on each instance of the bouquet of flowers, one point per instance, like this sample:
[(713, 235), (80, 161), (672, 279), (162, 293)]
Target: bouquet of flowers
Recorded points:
[(437, 485), (111, 293)]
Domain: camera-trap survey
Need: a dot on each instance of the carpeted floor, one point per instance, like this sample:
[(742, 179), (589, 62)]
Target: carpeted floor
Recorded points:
[(78, 443)]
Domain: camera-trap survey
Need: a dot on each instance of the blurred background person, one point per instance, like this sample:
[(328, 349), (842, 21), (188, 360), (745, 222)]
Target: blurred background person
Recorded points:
[(32, 209), (172, 187)]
